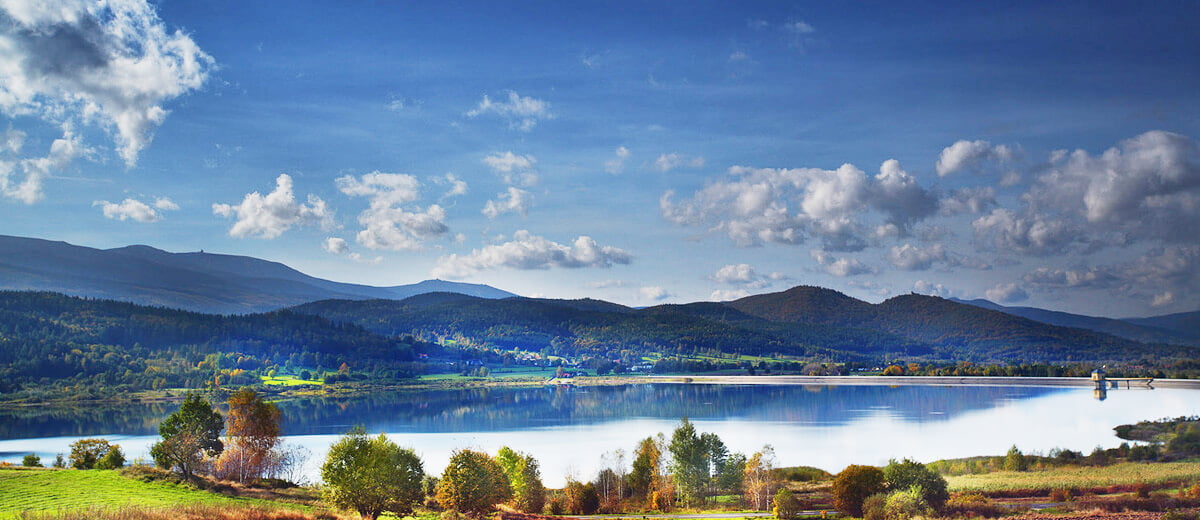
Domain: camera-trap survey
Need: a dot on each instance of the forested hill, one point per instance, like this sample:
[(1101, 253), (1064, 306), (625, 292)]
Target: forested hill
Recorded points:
[(959, 330), (114, 345), (196, 281), (803, 321)]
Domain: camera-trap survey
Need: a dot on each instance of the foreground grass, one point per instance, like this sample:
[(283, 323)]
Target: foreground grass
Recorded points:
[(50, 490), (1079, 477)]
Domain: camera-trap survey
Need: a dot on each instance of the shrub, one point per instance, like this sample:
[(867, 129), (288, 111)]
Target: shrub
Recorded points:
[(473, 483), (786, 507), (59, 462), (1014, 460), (853, 485), (1060, 495), (372, 475), (873, 507), (973, 505), (113, 459), (909, 474), (32, 461), (86, 452), (906, 504)]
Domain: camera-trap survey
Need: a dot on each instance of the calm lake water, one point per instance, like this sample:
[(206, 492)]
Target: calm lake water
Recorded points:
[(569, 430)]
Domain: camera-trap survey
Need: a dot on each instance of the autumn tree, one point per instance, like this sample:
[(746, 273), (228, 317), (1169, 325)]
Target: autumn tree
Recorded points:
[(581, 498), (473, 483), (785, 506), (909, 474), (758, 478), (252, 431), (853, 485), (85, 453), (647, 467), (524, 478), (372, 475), (188, 435)]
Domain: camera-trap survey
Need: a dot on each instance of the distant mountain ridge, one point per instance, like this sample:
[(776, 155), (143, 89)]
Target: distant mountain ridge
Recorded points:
[(1178, 329), (199, 281)]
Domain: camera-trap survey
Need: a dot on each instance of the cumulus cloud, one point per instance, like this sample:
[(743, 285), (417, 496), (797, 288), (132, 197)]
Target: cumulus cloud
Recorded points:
[(725, 295), (654, 293), (670, 161), (109, 62), (763, 205), (739, 273), (1027, 233), (335, 245), (136, 210), (1173, 269), (609, 284), (527, 251), (968, 200), (932, 289), (269, 216), (522, 113), (515, 200), (391, 221), (971, 155), (617, 164), (458, 187), (516, 170), (1006, 293), (21, 178), (840, 267), (913, 258)]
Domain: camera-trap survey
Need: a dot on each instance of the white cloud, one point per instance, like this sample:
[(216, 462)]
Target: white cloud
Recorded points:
[(108, 62), (654, 293), (136, 210), (932, 289), (968, 200), (725, 295), (840, 267), (739, 273), (269, 216), (670, 161), (799, 27), (335, 245), (516, 170), (527, 251), (755, 206), (617, 164), (1165, 299), (912, 258), (391, 221), (458, 187), (1026, 233), (1006, 293), (522, 113), (28, 188), (515, 200), (970, 155), (609, 284)]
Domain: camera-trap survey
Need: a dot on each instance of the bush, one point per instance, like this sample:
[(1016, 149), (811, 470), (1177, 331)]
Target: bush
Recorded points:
[(909, 474), (906, 504), (1061, 495), (786, 507), (113, 459), (973, 505), (32, 461), (873, 507), (853, 485), (85, 453)]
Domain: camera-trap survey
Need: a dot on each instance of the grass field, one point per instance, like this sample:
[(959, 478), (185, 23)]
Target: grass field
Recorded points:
[(289, 381), (52, 490), (1079, 477)]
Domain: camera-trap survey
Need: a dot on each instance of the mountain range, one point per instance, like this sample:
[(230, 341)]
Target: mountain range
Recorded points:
[(199, 281), (802, 321)]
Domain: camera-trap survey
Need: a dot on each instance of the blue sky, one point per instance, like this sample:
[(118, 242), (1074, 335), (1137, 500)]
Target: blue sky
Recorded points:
[(1033, 153)]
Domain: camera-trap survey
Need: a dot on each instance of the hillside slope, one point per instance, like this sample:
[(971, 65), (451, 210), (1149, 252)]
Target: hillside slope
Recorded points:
[(1150, 332), (201, 282)]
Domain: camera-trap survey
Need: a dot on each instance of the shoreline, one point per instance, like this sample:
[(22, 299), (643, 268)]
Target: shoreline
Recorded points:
[(915, 380)]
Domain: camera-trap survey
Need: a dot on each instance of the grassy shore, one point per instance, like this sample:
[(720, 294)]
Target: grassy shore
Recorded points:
[(1079, 477), (49, 490)]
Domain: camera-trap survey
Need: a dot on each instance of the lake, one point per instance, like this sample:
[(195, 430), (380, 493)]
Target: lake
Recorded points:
[(569, 429)]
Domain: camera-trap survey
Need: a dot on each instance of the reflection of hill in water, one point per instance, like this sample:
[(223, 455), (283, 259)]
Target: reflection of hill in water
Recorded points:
[(514, 409)]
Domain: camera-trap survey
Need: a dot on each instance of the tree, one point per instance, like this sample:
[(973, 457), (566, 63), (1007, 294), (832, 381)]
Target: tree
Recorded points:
[(252, 431), (86, 452), (372, 475), (32, 461), (853, 485), (1014, 460), (524, 478), (473, 483), (689, 462), (785, 505), (909, 474), (581, 498), (114, 458), (188, 435), (758, 478), (647, 467)]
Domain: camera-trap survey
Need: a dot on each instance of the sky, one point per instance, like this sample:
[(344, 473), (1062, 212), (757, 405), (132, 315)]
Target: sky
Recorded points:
[(1032, 153)]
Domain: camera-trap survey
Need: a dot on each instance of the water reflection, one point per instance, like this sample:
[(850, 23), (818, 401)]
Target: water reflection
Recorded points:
[(568, 429)]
